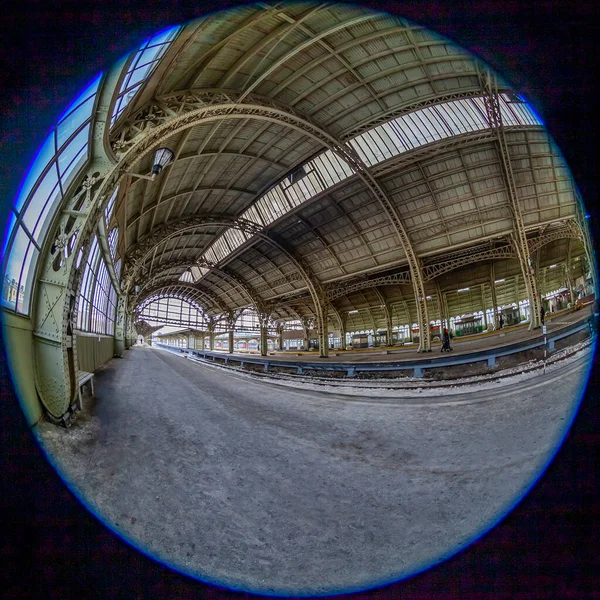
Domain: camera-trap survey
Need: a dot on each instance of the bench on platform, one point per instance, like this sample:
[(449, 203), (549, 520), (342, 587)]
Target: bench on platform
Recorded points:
[(82, 378)]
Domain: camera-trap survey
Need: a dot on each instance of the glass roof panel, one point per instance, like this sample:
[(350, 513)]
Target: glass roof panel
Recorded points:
[(410, 131)]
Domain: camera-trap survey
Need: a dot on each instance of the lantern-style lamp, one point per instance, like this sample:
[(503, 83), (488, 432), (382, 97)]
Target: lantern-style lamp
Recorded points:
[(162, 157)]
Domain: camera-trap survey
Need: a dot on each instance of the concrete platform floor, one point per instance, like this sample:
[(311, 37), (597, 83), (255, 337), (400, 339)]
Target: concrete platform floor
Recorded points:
[(503, 337), (303, 492)]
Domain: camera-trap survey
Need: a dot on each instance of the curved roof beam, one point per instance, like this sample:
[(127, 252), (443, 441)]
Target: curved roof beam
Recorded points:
[(152, 123), (568, 231), (346, 67), (301, 47), (301, 124), (255, 157), (173, 289), (280, 32), (173, 197), (153, 298), (342, 48), (198, 66), (138, 255)]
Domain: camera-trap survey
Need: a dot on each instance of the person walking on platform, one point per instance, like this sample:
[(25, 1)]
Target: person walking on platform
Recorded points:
[(501, 323), (542, 314), (446, 342)]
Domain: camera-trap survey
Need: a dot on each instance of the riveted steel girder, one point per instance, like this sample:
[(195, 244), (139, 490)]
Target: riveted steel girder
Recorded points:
[(58, 278), (584, 231), (180, 289), (251, 293), (138, 255), (120, 325), (455, 261), (568, 230), (491, 99), (388, 316), (180, 110)]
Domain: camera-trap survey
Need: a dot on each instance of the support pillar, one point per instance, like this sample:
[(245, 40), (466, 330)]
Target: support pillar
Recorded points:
[(231, 319), (323, 332), (590, 255), (306, 325), (568, 273), (129, 333), (263, 320), (485, 319), (492, 104), (211, 333), (388, 326), (280, 328), (343, 336), (120, 326), (444, 319), (263, 340), (493, 292)]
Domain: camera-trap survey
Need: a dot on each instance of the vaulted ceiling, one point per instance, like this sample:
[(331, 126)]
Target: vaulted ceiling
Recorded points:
[(342, 71)]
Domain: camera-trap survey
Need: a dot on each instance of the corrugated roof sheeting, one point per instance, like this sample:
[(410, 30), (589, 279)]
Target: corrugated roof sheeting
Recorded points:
[(457, 197)]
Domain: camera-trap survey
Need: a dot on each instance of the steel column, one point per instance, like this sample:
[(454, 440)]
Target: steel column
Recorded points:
[(568, 266), (493, 293), (120, 326), (492, 105), (54, 307)]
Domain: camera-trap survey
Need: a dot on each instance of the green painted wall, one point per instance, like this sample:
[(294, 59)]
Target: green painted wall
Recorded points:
[(93, 350), (18, 338)]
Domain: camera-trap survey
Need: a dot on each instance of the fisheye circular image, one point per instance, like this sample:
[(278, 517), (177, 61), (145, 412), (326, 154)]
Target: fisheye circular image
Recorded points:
[(299, 298)]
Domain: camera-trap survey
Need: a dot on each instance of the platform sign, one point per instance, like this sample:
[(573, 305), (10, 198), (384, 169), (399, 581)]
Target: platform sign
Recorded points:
[(544, 329)]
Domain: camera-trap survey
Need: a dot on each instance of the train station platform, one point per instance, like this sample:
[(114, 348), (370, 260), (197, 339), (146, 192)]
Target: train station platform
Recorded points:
[(409, 352)]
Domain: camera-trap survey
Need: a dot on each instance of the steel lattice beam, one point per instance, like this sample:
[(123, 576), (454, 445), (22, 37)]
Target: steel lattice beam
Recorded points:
[(491, 99), (175, 290), (462, 259), (178, 111), (568, 230)]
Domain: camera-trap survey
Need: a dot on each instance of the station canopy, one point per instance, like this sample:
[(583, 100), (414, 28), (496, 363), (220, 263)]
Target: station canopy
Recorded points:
[(323, 154)]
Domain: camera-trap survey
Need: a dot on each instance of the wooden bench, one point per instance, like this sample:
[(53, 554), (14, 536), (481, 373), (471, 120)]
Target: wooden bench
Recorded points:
[(83, 377)]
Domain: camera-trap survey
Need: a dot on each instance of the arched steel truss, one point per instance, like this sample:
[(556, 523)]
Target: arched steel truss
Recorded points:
[(142, 250), (177, 111), (55, 307)]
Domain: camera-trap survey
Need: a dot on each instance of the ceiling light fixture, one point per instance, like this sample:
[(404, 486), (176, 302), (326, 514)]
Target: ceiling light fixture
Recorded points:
[(162, 157)]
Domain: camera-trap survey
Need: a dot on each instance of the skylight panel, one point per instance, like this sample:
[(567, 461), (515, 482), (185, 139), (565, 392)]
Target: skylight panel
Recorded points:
[(374, 146), (253, 215), (58, 161), (108, 211), (143, 64), (211, 256), (41, 202), (67, 160), (390, 134), (113, 238)]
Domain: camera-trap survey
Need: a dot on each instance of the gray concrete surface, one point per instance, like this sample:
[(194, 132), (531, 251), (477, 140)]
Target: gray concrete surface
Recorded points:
[(294, 491)]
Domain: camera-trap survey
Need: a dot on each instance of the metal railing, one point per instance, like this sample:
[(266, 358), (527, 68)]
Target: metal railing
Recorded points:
[(418, 366)]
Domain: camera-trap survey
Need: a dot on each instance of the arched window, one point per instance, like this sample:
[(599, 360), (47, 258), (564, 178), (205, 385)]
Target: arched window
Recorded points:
[(142, 65), (168, 310), (58, 161), (97, 301)]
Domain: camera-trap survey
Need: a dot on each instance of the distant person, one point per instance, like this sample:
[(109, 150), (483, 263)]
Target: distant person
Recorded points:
[(501, 322), (542, 314), (446, 341)]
